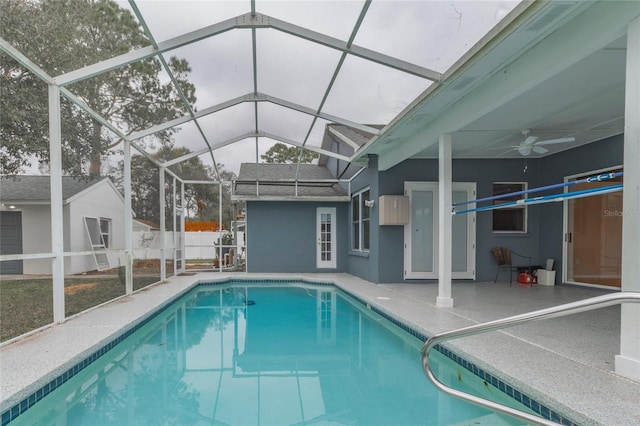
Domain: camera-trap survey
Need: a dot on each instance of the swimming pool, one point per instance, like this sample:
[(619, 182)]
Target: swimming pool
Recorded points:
[(263, 353)]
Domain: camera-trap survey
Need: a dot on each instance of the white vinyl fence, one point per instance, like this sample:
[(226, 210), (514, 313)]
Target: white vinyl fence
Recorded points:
[(198, 245)]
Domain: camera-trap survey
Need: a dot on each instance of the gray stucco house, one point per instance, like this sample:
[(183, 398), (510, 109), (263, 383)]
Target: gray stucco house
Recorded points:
[(283, 229)]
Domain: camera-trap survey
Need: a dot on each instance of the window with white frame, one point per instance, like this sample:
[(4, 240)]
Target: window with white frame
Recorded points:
[(105, 231), (360, 226), (512, 218), (99, 233)]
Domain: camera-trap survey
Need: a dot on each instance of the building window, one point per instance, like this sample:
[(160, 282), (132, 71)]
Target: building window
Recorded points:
[(360, 221), (512, 218), (105, 231)]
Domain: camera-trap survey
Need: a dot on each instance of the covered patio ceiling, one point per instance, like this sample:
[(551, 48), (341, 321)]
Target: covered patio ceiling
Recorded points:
[(556, 71)]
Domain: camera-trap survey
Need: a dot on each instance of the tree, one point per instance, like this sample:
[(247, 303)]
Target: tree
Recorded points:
[(132, 97), (281, 153), (145, 190)]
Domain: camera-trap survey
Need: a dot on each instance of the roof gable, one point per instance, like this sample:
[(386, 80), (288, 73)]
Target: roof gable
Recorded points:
[(38, 188)]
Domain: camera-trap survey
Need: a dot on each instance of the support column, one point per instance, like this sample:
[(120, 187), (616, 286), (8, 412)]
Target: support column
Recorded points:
[(444, 299), (221, 250), (175, 227), (628, 362), (163, 227), (128, 219), (57, 222), (183, 237)]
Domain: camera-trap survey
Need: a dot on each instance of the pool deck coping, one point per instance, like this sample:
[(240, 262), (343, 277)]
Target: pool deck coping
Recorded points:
[(525, 359)]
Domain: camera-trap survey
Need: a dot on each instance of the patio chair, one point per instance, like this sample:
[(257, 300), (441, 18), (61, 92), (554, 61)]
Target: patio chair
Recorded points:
[(503, 258)]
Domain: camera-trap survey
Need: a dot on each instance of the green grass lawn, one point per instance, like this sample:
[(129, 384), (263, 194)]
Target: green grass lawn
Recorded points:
[(27, 304)]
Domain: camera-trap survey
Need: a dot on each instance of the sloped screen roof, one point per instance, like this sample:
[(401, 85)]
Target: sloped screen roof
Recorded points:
[(263, 71)]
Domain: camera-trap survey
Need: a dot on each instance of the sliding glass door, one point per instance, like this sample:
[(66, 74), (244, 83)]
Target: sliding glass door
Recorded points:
[(593, 239)]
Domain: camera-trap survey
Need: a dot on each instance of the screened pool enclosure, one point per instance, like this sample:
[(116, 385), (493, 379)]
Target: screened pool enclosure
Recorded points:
[(167, 99)]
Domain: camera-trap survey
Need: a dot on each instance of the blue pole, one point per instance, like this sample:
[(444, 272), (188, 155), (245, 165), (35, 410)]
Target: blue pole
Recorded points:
[(590, 179), (547, 198)]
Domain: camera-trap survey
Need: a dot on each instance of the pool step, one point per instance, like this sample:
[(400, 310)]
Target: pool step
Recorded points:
[(487, 420)]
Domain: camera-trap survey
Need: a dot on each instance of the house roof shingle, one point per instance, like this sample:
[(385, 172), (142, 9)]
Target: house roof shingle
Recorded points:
[(271, 184), (37, 188), (268, 171)]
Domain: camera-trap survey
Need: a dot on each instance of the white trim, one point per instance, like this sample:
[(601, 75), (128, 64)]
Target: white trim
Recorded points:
[(627, 363), (445, 221), (98, 248), (360, 248), (332, 262), (470, 273)]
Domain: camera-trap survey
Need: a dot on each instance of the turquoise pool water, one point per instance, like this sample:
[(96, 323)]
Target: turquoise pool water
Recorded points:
[(264, 354)]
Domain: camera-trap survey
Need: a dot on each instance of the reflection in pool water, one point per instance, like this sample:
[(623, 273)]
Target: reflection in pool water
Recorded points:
[(261, 354)]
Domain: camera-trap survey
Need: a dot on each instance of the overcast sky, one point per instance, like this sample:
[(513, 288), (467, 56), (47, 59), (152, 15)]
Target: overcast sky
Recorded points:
[(433, 34)]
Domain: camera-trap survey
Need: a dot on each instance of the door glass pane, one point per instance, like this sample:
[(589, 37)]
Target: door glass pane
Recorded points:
[(325, 237), (366, 235), (326, 231), (422, 231), (595, 227), (459, 236)]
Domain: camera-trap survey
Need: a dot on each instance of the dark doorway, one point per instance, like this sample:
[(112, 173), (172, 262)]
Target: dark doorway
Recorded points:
[(11, 241)]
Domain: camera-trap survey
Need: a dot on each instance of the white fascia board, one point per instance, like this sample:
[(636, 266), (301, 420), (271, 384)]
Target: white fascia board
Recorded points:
[(146, 52), (23, 203), (202, 182), (263, 21), (288, 180), (333, 198), (599, 25), (307, 147)]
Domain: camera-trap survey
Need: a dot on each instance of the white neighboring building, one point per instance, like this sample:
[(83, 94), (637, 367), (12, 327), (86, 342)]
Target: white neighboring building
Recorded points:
[(94, 206)]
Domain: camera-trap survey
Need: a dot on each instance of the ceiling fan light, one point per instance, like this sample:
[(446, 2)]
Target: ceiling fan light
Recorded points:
[(524, 150)]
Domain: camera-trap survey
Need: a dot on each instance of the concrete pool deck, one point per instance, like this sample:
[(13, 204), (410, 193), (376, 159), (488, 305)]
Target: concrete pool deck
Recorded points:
[(565, 363)]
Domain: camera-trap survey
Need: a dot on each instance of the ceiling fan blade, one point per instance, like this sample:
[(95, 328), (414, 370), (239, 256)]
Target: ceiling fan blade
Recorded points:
[(529, 140), (524, 150), (540, 150), (554, 141)]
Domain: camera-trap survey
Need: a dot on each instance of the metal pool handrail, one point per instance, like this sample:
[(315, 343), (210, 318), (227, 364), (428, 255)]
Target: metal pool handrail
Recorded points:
[(553, 312)]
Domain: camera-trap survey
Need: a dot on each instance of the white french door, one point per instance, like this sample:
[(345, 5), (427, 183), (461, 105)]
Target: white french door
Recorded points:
[(326, 237), (421, 234)]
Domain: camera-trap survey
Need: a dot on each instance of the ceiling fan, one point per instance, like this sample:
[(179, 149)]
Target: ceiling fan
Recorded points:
[(531, 143)]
